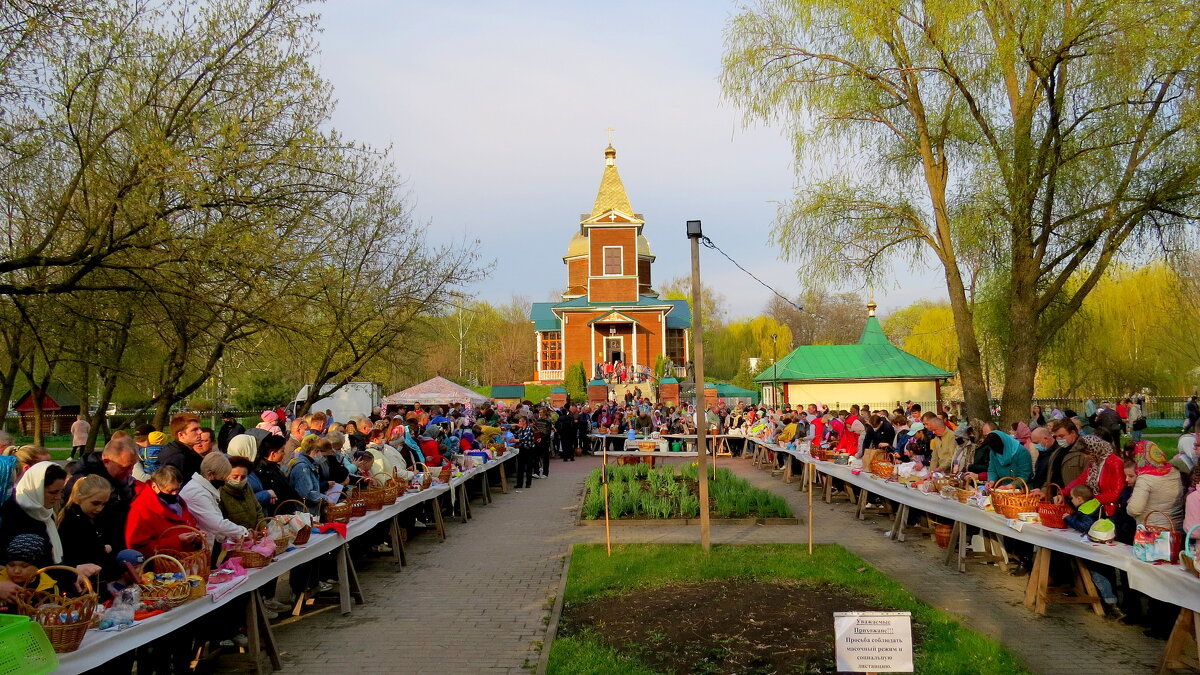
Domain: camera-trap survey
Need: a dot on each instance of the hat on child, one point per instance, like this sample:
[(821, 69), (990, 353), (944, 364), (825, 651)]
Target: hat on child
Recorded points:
[(27, 548), (156, 438), (130, 556)]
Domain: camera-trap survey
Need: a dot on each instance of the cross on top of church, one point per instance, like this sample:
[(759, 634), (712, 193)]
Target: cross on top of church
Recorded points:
[(609, 130)]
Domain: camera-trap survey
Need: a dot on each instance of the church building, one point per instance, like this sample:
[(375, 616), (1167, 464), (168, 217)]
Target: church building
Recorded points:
[(610, 310)]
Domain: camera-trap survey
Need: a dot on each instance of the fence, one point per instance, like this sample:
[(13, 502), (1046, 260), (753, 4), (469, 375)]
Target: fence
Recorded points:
[(54, 425)]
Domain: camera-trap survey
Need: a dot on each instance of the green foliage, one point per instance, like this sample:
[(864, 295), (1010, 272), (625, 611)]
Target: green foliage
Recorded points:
[(660, 365), (636, 490), (946, 646), (575, 382), (262, 392)]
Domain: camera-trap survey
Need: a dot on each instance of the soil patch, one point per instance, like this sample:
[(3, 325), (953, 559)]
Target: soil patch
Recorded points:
[(729, 626)]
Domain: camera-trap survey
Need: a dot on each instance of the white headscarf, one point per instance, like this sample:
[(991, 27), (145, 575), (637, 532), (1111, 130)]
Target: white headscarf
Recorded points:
[(243, 445), (31, 497)]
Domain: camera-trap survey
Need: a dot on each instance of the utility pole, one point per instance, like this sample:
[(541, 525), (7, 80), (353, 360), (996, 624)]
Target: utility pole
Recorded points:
[(695, 234)]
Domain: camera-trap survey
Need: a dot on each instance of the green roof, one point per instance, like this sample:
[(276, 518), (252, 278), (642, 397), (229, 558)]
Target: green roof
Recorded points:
[(873, 358), (508, 391), (557, 390), (727, 390), (543, 317)]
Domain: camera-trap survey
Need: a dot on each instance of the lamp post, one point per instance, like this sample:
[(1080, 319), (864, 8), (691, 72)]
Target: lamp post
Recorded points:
[(695, 233), (774, 370)]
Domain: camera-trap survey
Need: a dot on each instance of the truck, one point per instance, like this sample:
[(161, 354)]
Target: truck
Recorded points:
[(356, 399)]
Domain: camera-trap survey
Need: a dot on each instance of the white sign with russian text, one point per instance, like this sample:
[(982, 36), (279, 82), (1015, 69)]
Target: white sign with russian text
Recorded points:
[(873, 642)]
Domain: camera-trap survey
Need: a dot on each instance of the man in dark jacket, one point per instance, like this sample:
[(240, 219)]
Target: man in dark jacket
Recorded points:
[(115, 464), (229, 428), (185, 429), (583, 427), (567, 435)]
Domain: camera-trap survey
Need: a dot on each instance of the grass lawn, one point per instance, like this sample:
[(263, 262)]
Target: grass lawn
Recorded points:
[(948, 647)]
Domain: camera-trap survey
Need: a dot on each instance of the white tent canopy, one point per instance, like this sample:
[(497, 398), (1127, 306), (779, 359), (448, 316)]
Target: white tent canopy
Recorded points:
[(435, 391)]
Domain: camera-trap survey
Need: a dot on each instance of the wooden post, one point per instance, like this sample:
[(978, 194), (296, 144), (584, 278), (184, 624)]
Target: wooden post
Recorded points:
[(701, 399), (604, 479), (810, 471)]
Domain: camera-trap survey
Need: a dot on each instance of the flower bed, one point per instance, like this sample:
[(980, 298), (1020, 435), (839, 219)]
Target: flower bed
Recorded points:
[(670, 491)]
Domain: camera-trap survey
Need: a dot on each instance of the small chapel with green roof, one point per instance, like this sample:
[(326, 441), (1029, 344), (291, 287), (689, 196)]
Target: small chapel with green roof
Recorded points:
[(872, 371)]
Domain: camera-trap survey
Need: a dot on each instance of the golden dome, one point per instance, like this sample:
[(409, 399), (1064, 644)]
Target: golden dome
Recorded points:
[(578, 245), (643, 245)]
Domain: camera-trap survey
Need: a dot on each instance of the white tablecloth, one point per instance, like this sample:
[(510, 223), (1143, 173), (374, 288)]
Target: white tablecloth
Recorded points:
[(100, 647), (1168, 583)]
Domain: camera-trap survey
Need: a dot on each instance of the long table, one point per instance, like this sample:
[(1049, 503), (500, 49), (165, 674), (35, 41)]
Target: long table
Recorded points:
[(1168, 583), (99, 647)]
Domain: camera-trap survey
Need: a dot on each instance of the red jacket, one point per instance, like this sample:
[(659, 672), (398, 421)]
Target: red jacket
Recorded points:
[(1112, 482), (432, 452), (145, 530), (848, 441)]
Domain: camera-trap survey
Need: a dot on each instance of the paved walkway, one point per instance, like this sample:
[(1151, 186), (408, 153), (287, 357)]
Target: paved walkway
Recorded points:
[(476, 603), (479, 602)]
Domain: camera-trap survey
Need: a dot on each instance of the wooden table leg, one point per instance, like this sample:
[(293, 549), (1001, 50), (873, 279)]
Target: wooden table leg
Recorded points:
[(950, 547), (487, 487), (503, 480), (343, 570), (438, 522), (397, 542), (862, 504), (1087, 589), (1036, 578), (828, 496), (787, 469), (261, 639), (1186, 630)]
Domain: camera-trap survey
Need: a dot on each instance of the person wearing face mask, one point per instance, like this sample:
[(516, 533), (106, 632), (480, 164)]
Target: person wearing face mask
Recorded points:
[(1071, 453), (157, 509), (202, 494), (238, 503)]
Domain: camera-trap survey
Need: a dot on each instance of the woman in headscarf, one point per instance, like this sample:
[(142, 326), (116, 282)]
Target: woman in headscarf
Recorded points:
[(1007, 458), (31, 511), (1158, 486), (271, 487), (1021, 432), (243, 445), (1104, 473)]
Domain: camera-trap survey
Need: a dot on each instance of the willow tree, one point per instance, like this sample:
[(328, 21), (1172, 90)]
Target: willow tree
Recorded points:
[(1022, 143)]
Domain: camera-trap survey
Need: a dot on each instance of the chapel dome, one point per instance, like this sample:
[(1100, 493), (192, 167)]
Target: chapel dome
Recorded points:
[(578, 245)]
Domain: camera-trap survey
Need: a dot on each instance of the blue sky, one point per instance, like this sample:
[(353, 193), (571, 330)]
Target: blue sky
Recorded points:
[(496, 113)]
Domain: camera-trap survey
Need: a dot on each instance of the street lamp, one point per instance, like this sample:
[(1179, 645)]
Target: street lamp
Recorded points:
[(774, 370), (695, 234)]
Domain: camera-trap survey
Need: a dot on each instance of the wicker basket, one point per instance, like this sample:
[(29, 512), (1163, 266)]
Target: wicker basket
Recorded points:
[(375, 497), (281, 543), (941, 534), (1187, 557), (1050, 513), (966, 491), (647, 446), (1009, 502), (194, 562), (48, 608), (305, 532), (251, 559), (174, 592), (884, 468), (336, 513), (446, 474), (358, 503), (426, 476)]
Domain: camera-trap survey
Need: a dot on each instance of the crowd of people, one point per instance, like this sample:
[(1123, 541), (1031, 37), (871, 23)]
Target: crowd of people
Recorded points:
[(1085, 461), (107, 510)]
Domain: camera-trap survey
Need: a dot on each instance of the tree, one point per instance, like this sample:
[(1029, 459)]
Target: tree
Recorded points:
[(1027, 144), (712, 301), (825, 318), (576, 382)]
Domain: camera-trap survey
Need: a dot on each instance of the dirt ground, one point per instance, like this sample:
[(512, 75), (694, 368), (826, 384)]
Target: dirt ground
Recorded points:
[(731, 626)]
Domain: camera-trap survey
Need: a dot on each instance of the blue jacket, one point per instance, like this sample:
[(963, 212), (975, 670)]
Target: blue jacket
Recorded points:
[(305, 480)]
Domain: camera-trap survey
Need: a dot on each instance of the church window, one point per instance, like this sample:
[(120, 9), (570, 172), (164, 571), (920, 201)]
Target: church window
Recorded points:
[(675, 345), (552, 350), (613, 262)]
